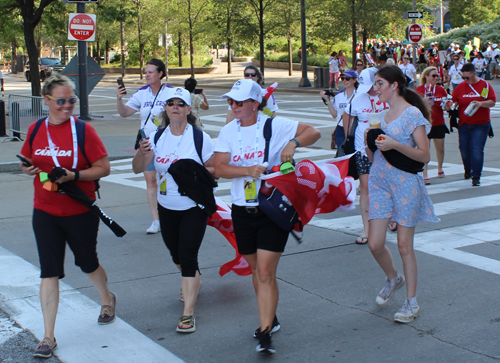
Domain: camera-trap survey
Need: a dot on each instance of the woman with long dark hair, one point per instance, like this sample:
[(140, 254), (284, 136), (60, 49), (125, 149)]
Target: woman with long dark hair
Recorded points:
[(149, 101), (397, 193)]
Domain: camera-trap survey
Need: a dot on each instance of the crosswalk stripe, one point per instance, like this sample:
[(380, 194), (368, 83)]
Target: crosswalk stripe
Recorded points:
[(80, 339)]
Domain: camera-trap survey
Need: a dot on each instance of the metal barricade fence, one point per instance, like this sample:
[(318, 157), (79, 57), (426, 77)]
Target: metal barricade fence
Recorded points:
[(23, 111)]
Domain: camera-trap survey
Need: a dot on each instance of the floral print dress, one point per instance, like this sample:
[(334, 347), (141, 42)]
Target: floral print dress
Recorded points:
[(395, 193)]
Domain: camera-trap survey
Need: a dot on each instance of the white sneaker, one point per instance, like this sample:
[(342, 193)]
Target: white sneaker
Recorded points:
[(385, 295), (407, 313), (154, 228)]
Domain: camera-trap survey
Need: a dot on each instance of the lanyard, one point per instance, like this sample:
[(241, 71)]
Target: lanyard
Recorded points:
[(153, 104), (477, 94), (182, 137), (52, 146), (255, 154), (429, 90)]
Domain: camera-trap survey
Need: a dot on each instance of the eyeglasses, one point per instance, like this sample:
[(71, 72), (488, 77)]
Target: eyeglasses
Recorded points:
[(455, 59), (465, 77), (62, 101), (359, 65), (406, 58), (237, 103), (434, 75), (345, 78), (179, 103), (250, 74)]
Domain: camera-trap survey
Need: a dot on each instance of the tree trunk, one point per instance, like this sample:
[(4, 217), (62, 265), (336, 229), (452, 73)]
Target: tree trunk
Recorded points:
[(191, 47), (106, 52), (33, 52), (98, 51), (13, 58), (365, 38), (122, 35), (141, 45), (261, 37), (353, 34), (180, 49), (290, 57), (228, 28)]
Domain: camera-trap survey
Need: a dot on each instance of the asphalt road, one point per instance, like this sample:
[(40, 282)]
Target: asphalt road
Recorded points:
[(327, 284)]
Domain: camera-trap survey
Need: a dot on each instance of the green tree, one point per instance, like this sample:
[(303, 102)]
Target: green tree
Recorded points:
[(467, 12)]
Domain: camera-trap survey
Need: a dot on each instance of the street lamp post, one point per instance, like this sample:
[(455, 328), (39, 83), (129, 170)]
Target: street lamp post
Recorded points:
[(304, 81)]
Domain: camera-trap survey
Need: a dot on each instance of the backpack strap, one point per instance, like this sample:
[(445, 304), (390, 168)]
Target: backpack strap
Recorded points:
[(35, 130), (268, 132), (197, 136)]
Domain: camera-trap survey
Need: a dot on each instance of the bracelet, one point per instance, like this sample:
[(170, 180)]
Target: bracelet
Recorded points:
[(77, 175), (297, 143)]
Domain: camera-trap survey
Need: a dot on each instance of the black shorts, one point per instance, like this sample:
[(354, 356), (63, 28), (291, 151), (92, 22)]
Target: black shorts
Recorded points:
[(256, 231), (52, 233), (438, 132), (363, 164)]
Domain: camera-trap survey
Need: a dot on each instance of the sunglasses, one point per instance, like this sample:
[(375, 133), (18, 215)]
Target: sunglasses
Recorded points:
[(345, 78), (237, 103), (434, 75), (359, 65), (250, 74), (465, 78), (406, 58), (179, 103), (455, 59), (62, 101)]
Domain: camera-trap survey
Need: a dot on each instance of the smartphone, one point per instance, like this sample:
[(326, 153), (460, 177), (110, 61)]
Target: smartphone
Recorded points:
[(197, 91), (121, 84), (26, 163), (143, 135)]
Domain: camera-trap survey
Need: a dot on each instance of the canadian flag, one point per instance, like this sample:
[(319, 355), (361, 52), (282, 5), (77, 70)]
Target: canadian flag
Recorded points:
[(317, 188), (221, 220)]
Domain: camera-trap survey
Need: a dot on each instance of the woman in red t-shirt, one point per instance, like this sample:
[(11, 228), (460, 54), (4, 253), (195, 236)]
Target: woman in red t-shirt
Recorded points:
[(58, 219), (434, 94), (473, 127)]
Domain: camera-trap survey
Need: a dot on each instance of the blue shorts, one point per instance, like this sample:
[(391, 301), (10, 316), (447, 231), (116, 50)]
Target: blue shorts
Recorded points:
[(151, 166)]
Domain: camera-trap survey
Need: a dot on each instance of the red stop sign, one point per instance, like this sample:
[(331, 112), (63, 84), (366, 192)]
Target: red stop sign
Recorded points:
[(415, 33), (81, 27)]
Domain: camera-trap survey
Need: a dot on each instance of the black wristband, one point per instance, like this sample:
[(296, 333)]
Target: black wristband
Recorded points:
[(77, 175), (297, 143)]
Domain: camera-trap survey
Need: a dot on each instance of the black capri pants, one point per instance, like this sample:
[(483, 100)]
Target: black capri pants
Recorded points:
[(183, 232), (52, 233)]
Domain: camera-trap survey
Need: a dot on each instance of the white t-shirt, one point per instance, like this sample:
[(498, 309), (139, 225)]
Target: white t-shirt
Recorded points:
[(492, 54), (455, 73), (479, 64), (408, 70), (334, 65), (283, 130), (340, 102), (170, 148), (142, 101), (361, 105)]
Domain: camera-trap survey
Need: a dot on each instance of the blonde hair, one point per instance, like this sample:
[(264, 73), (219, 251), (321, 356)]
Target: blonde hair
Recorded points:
[(426, 73), (55, 81)]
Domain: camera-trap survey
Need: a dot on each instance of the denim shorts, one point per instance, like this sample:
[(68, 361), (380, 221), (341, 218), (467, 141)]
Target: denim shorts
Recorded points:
[(151, 166)]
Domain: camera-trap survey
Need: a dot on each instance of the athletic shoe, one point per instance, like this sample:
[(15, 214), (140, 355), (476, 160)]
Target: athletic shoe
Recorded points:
[(108, 313), (276, 327), (154, 228), (407, 313), (476, 181), (265, 343), (467, 174), (385, 295), (45, 348)]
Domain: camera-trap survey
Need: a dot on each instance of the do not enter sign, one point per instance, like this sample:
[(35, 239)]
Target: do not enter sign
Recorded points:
[(81, 27), (415, 33)]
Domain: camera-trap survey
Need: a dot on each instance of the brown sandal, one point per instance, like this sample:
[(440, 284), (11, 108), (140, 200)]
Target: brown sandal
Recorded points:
[(186, 320)]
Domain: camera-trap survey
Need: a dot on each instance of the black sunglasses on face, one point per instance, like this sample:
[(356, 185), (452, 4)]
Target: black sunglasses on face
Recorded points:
[(62, 101), (178, 103), (237, 103), (455, 59), (359, 65), (434, 75), (345, 78), (465, 77), (406, 58), (250, 74)]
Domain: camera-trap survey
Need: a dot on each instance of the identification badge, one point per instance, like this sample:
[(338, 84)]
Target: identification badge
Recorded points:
[(156, 121), (163, 187), (484, 93), (250, 191)]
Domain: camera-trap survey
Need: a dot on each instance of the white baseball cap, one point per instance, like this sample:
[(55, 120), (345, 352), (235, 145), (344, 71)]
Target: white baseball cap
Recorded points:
[(245, 89), (493, 46), (366, 80), (178, 92)]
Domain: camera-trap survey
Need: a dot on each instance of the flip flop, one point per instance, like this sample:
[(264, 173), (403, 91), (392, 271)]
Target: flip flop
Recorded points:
[(427, 181), (441, 174), (393, 226), (186, 320), (361, 240)]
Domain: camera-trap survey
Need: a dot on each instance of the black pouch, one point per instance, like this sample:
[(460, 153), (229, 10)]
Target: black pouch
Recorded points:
[(138, 140)]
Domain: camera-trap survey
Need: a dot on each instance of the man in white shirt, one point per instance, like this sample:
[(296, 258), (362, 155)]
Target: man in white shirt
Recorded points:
[(409, 71), (494, 55)]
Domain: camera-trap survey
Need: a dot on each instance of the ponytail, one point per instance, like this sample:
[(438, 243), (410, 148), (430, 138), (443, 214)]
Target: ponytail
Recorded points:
[(414, 99)]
